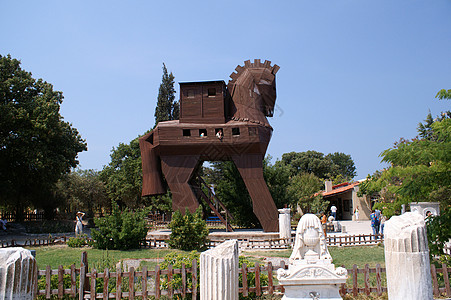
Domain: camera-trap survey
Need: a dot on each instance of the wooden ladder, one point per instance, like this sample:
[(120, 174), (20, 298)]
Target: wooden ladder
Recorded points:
[(209, 199)]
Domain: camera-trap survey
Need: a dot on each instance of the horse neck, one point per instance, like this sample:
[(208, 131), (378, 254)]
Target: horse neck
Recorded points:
[(247, 104)]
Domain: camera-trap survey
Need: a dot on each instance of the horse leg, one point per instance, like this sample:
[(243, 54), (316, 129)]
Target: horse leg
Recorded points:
[(250, 167), (178, 170)]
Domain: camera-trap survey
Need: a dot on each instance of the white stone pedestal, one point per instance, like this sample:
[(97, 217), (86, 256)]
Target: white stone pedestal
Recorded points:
[(219, 272), (407, 258), (284, 223), (17, 274), (311, 274)]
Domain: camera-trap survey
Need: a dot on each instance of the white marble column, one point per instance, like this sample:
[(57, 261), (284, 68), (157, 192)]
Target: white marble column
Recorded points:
[(407, 258), (284, 223), (17, 273), (219, 272)]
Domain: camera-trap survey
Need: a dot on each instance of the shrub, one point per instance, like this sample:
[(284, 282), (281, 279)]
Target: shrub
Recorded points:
[(121, 230), (250, 278), (189, 231), (176, 260), (439, 233), (77, 242)]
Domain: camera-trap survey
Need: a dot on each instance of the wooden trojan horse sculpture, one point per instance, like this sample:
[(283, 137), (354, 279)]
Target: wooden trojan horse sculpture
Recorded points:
[(217, 122)]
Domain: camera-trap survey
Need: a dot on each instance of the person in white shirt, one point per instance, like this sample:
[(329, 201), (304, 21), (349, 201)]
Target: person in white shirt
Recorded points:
[(333, 211), (79, 224)]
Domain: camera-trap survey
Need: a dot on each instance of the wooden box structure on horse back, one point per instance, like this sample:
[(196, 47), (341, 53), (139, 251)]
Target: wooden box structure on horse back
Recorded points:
[(203, 102), (217, 122)]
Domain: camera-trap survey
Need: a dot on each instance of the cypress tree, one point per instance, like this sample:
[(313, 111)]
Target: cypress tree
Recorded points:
[(167, 109)]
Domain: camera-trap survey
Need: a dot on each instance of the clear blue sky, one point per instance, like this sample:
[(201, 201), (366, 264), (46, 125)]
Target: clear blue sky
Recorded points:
[(355, 75)]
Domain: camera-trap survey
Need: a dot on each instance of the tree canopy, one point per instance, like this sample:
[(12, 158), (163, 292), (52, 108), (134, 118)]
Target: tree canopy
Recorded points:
[(36, 145), (323, 166), (167, 109), (420, 168)]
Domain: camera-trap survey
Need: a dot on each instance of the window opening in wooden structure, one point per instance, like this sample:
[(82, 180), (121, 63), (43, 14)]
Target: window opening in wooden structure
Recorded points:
[(150, 139), (202, 132), (186, 132), (236, 131), (211, 92)]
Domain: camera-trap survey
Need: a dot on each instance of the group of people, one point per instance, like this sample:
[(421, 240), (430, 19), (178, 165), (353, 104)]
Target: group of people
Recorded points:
[(377, 221)]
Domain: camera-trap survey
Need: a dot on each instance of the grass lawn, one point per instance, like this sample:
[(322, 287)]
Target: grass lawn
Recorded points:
[(66, 256), (347, 256)]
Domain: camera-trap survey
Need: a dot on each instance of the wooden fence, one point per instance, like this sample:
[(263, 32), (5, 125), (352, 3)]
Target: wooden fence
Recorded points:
[(133, 283), (11, 217), (254, 244)]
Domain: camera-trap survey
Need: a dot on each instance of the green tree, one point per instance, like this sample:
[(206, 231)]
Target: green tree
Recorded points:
[(83, 190), (167, 109), (123, 175), (305, 187), (36, 146), (121, 230), (420, 168), (323, 166), (189, 231)]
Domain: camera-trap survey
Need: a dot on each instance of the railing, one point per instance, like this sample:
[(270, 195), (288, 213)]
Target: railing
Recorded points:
[(11, 217), (141, 283), (340, 241)]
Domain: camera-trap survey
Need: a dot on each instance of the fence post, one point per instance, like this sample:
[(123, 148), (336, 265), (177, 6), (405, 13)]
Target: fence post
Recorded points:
[(118, 283), (183, 280), (378, 280), (106, 279), (446, 280), (367, 279), (270, 282), (48, 287), (157, 282), (84, 265), (144, 282), (355, 289), (257, 279), (131, 283), (244, 279), (60, 281), (93, 283), (194, 278), (434, 281), (170, 286)]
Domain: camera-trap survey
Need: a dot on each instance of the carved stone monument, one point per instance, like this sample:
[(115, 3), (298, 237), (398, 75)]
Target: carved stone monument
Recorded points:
[(219, 272), (407, 258), (311, 274), (284, 223), (17, 273)]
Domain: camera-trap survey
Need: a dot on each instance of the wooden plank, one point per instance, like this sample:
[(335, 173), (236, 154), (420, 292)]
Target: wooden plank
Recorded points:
[(81, 291), (355, 289), (157, 282), (144, 283), (366, 276), (434, 281), (270, 279), (106, 280), (446, 280), (118, 283), (170, 286), (244, 279), (48, 275), (93, 283), (131, 283), (257, 279), (378, 280), (60, 281), (194, 278), (183, 271)]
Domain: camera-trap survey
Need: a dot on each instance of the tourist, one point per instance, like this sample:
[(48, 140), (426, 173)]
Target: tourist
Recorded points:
[(79, 224), (219, 134), (374, 222), (333, 210), (356, 213), (323, 219)]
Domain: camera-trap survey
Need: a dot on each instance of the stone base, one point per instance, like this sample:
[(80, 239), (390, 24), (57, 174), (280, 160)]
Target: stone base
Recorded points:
[(302, 292)]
